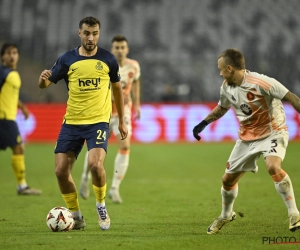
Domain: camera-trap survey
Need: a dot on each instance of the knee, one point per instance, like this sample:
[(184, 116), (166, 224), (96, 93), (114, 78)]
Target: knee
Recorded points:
[(124, 145), (273, 167), (273, 164), (227, 182), (18, 149), (61, 173), (96, 166), (125, 148), (230, 180)]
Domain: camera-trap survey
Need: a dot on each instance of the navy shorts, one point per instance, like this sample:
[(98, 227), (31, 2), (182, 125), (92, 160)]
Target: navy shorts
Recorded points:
[(9, 134), (72, 137)]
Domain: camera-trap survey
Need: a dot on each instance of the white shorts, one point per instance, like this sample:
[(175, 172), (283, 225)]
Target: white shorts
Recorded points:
[(114, 122), (245, 154)]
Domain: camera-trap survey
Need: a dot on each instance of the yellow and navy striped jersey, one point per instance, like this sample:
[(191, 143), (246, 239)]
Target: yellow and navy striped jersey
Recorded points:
[(88, 81), (10, 83)]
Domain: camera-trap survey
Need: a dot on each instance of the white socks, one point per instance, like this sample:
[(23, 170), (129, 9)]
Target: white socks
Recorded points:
[(86, 174), (228, 198), (77, 215), (283, 187), (98, 204), (285, 190), (120, 169), (22, 186)]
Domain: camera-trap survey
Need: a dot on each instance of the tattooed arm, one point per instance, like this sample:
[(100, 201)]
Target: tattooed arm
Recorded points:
[(293, 100), (216, 113)]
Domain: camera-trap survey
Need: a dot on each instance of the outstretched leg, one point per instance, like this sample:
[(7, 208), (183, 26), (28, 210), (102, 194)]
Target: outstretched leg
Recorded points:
[(120, 168), (229, 192), (64, 163), (284, 188)]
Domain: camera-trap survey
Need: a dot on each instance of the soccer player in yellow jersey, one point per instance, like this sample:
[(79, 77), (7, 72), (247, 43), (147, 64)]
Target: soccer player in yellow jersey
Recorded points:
[(130, 80), (10, 83), (256, 101), (90, 73)]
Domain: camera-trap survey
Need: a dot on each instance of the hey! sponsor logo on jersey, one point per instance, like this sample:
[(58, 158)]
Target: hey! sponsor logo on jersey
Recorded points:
[(87, 84)]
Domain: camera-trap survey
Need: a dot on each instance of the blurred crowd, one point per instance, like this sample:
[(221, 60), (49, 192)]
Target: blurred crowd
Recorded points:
[(177, 42)]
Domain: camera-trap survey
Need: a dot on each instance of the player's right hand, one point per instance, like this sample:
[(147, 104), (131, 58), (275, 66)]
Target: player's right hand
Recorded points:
[(198, 128), (45, 74)]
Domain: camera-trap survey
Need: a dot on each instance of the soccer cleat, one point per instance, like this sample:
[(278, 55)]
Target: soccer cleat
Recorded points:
[(103, 218), (294, 223), (219, 222), (79, 224), (84, 190), (115, 195), (29, 191)]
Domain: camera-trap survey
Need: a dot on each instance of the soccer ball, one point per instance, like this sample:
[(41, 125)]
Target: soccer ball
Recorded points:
[(60, 219)]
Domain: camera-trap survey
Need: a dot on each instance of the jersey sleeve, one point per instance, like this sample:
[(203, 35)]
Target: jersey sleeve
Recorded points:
[(4, 71), (114, 73), (277, 90), (223, 102), (59, 70), (138, 71)]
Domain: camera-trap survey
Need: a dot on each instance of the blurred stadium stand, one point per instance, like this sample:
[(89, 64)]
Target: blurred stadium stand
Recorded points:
[(177, 42)]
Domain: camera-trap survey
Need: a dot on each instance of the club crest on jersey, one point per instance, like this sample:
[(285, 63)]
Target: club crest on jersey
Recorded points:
[(99, 66), (246, 109), (250, 96), (130, 74), (232, 97)]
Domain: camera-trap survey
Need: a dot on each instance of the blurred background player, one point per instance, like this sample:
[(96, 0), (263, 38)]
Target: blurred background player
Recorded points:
[(130, 80), (10, 83), (90, 73), (256, 101)]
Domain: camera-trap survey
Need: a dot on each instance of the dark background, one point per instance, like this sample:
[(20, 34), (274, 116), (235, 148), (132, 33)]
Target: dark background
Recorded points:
[(177, 42)]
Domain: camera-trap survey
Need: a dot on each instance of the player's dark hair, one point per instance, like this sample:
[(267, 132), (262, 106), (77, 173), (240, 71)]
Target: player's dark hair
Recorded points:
[(119, 38), (89, 21), (5, 46), (234, 58)]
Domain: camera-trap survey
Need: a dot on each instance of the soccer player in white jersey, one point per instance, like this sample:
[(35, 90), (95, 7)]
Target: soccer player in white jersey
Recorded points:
[(130, 80), (256, 101)]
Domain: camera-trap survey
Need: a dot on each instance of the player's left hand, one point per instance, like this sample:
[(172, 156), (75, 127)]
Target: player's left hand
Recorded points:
[(25, 112), (137, 113), (198, 128)]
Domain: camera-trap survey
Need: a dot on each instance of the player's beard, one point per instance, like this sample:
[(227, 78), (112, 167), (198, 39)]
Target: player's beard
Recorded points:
[(89, 47), (230, 81)]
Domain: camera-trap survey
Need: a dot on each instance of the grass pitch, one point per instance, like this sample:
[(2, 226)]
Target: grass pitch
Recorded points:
[(171, 194)]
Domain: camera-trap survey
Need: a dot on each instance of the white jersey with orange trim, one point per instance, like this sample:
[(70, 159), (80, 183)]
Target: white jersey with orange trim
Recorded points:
[(257, 105), (130, 72)]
